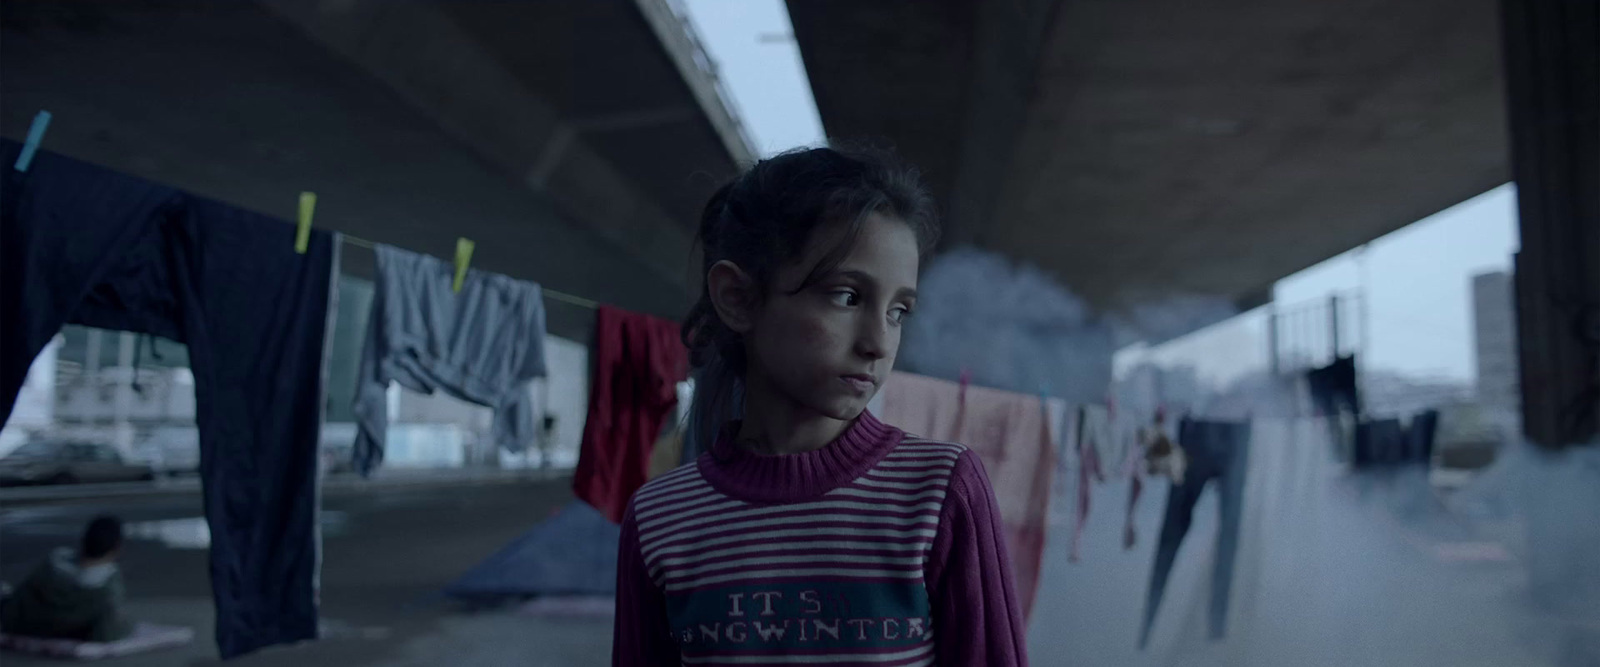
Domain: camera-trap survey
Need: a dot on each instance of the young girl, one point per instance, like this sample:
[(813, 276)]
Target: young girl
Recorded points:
[(810, 532)]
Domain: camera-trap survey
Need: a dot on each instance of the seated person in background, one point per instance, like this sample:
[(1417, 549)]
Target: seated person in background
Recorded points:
[(73, 595)]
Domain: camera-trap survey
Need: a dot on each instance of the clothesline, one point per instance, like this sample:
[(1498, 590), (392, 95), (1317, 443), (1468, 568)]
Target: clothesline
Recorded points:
[(554, 294)]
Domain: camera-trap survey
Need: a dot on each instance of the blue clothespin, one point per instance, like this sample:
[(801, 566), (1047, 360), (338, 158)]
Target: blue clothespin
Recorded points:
[(41, 122)]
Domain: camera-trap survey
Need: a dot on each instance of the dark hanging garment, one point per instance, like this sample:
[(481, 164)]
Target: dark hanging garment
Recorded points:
[(1217, 451), (1333, 388), (1384, 443), (638, 362), (1419, 437), (84, 245), (1379, 443)]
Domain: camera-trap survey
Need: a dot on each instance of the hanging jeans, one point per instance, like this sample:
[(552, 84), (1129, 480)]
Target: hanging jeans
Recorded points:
[(84, 245), (1217, 451)]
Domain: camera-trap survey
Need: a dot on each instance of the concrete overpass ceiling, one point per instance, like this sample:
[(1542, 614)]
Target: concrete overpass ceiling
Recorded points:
[(605, 72), (412, 129), (1156, 147), (891, 73)]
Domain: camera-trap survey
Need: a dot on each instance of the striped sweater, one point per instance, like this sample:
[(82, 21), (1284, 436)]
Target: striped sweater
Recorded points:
[(879, 549)]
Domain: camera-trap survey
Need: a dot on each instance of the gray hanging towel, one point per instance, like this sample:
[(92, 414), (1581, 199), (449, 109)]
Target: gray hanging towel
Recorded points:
[(483, 345)]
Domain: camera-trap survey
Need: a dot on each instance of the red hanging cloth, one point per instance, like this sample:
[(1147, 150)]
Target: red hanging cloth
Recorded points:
[(638, 362)]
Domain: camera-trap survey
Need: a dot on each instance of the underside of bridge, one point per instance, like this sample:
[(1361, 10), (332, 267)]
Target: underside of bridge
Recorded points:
[(1145, 149), (574, 140)]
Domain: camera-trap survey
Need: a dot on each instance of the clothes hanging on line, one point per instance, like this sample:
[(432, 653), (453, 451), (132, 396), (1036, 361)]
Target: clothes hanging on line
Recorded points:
[(1130, 530), (1092, 433), (1419, 436), (1011, 435), (1112, 433), (638, 362), (1335, 396), (553, 295), (483, 344), (1106, 444), (1333, 387), (1381, 443), (1162, 457), (1217, 451), (1157, 456), (85, 245), (1378, 442)]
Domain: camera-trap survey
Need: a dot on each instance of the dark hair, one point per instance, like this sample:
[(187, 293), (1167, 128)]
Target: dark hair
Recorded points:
[(763, 220), (103, 536)]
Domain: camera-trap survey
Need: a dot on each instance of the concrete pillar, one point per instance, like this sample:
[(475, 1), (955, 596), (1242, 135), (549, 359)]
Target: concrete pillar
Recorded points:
[(1552, 57)]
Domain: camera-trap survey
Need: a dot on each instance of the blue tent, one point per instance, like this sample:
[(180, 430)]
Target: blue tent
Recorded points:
[(571, 553)]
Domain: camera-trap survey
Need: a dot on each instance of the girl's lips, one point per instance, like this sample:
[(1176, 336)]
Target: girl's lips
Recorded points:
[(860, 383)]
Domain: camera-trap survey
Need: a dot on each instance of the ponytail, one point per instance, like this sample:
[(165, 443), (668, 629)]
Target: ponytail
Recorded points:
[(718, 399), (714, 350)]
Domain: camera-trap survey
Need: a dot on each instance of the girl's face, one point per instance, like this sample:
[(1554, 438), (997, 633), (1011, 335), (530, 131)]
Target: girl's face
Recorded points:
[(829, 347)]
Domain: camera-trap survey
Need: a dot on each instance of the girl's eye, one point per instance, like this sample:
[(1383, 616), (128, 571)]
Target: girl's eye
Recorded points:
[(847, 298), (899, 314)]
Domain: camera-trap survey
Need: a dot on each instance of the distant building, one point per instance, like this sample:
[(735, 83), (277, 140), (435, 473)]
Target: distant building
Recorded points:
[(1495, 339), (1389, 394)]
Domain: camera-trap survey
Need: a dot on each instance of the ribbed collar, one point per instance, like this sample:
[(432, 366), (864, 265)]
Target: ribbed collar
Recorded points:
[(785, 478)]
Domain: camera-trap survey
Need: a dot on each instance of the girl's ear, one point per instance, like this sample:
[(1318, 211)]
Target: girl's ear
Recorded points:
[(734, 294)]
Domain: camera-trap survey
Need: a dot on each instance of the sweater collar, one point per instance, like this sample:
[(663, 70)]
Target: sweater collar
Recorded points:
[(753, 477)]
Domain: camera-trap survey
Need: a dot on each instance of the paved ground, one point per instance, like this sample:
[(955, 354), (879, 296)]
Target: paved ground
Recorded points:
[(387, 554), (1376, 598)]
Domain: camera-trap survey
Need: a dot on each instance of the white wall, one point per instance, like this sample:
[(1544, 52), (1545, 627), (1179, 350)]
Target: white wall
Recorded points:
[(565, 394), (35, 406)]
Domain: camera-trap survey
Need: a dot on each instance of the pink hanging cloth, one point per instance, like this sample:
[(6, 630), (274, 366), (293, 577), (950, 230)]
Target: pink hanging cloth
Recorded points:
[(1011, 435)]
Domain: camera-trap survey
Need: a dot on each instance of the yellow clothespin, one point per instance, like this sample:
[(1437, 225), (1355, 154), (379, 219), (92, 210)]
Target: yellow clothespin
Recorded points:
[(302, 235), (463, 259)]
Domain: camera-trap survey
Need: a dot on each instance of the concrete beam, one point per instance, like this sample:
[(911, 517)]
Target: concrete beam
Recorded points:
[(1150, 148), (415, 122), (421, 54), (696, 68)]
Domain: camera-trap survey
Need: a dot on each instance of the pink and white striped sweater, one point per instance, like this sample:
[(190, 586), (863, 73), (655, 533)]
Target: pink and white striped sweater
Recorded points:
[(879, 549)]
